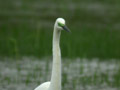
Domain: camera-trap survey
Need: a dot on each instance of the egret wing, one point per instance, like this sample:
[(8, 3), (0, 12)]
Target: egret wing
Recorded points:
[(43, 86)]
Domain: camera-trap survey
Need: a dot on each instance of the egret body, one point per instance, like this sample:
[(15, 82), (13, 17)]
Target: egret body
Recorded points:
[(55, 83)]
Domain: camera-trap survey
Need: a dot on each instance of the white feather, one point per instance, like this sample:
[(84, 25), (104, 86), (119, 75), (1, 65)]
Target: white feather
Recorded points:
[(55, 83), (43, 86)]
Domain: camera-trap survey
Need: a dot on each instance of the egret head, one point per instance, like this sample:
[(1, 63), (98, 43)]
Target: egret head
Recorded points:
[(60, 22)]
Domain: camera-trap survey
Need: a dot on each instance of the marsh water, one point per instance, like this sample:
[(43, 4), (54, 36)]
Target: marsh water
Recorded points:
[(77, 74)]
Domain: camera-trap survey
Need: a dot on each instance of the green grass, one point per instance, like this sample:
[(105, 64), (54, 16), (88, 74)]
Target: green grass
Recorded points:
[(26, 29)]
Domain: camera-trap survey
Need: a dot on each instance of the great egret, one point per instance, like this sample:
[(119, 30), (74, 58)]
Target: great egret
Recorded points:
[(55, 83)]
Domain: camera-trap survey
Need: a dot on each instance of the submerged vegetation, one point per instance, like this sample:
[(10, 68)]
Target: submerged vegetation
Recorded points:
[(78, 74)]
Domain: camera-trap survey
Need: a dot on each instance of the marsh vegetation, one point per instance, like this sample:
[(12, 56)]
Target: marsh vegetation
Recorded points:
[(78, 74), (26, 28)]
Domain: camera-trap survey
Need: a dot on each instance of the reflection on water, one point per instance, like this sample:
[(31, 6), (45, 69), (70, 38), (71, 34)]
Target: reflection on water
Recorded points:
[(78, 74)]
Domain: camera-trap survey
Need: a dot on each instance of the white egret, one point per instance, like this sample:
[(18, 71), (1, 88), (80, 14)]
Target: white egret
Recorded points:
[(55, 83)]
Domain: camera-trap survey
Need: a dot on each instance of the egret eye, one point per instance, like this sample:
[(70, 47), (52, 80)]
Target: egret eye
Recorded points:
[(60, 24)]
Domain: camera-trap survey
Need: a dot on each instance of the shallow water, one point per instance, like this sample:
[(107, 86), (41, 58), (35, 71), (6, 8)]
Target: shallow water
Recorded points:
[(79, 74)]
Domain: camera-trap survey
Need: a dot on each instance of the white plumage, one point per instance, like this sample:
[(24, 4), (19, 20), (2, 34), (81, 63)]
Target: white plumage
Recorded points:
[(43, 86), (55, 83)]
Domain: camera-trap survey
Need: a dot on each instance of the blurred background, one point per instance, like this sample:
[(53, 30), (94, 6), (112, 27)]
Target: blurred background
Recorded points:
[(26, 28)]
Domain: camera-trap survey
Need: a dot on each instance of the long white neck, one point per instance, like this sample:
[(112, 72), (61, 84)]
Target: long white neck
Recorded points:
[(56, 68)]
